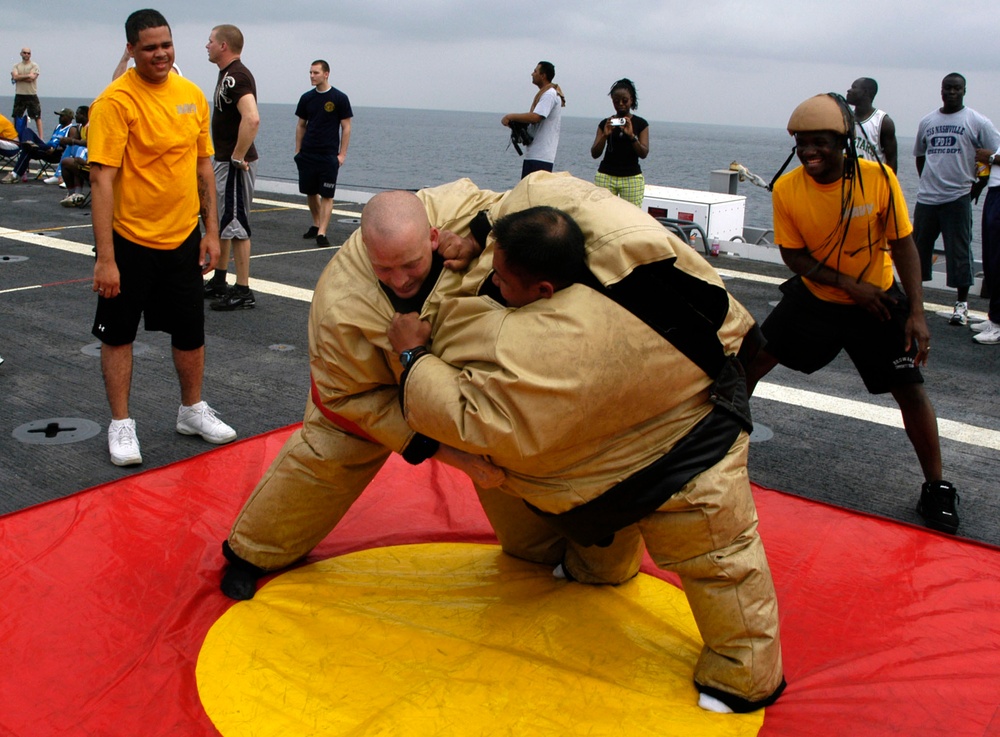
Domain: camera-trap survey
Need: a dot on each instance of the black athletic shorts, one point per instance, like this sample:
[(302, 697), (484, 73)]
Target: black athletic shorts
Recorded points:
[(165, 287), (317, 173), (806, 333)]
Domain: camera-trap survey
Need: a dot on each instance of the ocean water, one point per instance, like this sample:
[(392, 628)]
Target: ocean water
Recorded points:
[(397, 148), (408, 149)]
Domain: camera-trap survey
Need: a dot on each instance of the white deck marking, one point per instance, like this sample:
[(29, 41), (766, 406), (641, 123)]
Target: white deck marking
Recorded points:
[(949, 429), (888, 416), (296, 206)]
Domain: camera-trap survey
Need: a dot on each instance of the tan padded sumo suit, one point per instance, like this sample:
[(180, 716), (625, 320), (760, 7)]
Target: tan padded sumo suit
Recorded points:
[(579, 399)]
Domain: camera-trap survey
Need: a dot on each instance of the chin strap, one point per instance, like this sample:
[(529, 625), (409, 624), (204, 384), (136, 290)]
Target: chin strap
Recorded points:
[(770, 186)]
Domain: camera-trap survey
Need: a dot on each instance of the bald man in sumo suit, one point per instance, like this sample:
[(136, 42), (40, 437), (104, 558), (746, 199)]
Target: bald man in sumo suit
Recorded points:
[(407, 256)]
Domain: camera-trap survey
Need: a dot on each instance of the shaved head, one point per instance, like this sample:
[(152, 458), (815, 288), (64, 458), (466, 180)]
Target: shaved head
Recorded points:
[(389, 214), (399, 239)]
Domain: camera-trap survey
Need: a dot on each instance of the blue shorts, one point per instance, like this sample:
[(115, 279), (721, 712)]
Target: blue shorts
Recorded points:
[(317, 173), (805, 333), (164, 286)]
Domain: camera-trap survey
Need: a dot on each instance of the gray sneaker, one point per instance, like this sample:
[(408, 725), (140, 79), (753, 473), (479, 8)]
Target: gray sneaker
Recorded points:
[(960, 315), (200, 419), (123, 443)]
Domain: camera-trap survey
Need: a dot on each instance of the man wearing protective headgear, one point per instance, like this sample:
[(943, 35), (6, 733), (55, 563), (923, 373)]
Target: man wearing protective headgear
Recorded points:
[(841, 224)]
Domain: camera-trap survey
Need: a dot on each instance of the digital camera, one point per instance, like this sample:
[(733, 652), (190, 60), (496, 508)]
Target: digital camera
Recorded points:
[(617, 122)]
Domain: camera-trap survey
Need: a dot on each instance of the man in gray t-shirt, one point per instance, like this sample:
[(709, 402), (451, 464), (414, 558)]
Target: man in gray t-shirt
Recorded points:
[(544, 118), (947, 139)]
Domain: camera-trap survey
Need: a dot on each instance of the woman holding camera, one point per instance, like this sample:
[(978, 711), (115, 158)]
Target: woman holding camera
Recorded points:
[(626, 140)]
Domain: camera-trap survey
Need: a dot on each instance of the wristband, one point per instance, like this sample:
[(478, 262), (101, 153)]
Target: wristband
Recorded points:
[(409, 356)]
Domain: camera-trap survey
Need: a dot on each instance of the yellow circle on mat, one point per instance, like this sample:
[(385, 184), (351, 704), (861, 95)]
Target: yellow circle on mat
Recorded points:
[(455, 639)]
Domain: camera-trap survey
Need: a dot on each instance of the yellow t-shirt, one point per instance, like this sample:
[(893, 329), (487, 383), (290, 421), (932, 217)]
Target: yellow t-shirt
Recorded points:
[(155, 135), (807, 215), (7, 130)]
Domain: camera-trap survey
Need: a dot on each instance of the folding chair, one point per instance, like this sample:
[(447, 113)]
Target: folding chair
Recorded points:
[(8, 159)]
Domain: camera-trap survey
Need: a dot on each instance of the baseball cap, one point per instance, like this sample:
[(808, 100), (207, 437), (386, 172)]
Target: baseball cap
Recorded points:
[(65, 111)]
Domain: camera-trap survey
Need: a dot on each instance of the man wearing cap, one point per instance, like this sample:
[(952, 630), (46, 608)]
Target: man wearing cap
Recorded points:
[(844, 295), (24, 76), (32, 147)]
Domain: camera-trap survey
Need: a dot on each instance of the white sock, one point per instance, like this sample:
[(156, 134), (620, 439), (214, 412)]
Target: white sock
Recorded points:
[(710, 703)]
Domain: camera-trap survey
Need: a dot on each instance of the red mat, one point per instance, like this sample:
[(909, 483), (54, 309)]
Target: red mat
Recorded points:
[(107, 596)]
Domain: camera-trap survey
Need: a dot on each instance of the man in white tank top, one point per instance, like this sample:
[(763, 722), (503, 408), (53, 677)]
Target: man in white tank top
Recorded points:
[(875, 133)]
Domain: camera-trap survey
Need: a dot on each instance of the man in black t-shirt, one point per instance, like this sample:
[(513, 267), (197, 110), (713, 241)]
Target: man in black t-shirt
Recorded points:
[(321, 139), (235, 120)]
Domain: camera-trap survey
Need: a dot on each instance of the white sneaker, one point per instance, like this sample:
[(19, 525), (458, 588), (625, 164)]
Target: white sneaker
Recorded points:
[(980, 326), (960, 315), (200, 419), (123, 443), (51, 180), (990, 335)]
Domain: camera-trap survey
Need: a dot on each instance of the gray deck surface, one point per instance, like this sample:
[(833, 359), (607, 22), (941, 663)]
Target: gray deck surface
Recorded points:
[(257, 375)]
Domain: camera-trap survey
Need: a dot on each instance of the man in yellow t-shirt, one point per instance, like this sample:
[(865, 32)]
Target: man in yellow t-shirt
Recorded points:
[(151, 177), (841, 224)]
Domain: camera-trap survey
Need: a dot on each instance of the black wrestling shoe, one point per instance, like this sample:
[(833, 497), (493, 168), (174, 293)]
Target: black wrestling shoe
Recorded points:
[(215, 288), (237, 298), (240, 579), (322, 241), (938, 506), (311, 233)]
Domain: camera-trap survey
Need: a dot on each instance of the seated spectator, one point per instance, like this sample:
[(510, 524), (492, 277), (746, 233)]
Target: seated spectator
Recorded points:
[(74, 162), (8, 137), (70, 141), (32, 147)]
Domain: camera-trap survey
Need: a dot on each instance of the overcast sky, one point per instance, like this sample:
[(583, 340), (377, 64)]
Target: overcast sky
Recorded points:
[(705, 61)]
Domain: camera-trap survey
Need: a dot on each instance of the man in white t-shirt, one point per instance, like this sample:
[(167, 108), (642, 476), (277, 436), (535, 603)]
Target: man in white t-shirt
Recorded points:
[(947, 139), (543, 119)]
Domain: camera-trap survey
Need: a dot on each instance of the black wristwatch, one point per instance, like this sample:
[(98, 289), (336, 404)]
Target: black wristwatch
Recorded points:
[(410, 355)]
